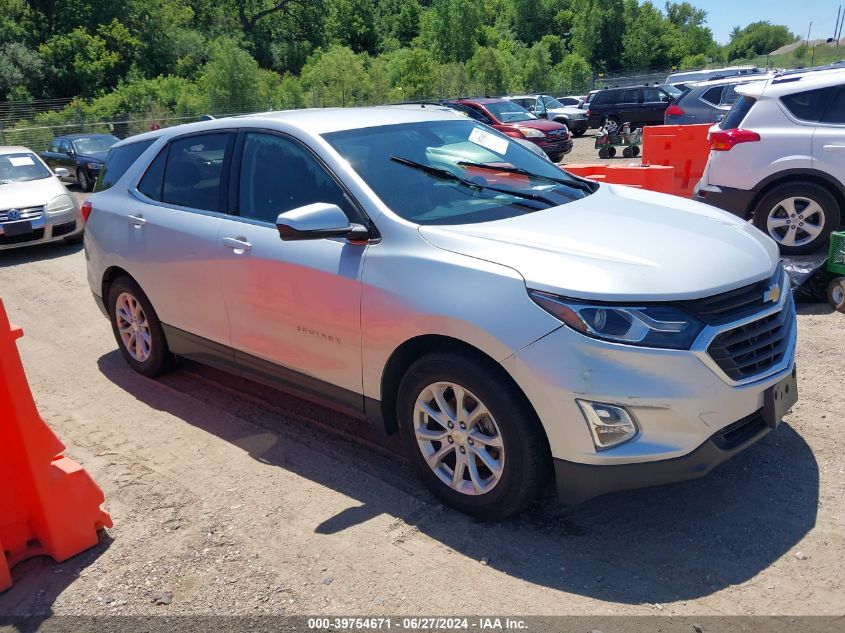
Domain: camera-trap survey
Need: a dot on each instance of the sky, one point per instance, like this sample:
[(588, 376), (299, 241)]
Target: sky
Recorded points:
[(724, 15)]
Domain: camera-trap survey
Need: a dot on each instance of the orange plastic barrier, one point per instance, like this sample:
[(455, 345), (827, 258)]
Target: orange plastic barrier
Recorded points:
[(683, 147), (49, 505), (654, 178)]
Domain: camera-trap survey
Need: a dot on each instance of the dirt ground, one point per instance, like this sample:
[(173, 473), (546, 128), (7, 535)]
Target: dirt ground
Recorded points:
[(230, 498)]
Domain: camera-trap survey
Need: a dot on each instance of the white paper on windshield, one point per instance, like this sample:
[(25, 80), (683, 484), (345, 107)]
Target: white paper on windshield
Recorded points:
[(488, 141), (20, 161)]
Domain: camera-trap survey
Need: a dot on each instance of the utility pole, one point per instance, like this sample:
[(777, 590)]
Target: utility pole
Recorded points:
[(836, 24), (808, 33)]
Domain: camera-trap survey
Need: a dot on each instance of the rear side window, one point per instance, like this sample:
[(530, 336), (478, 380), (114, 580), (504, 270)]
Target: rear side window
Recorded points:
[(836, 110), (192, 172), (808, 105), (738, 112), (712, 95), (118, 161), (631, 95)]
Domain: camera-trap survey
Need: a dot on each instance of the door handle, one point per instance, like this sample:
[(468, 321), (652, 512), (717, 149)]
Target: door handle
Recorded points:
[(137, 220), (834, 148), (237, 243)]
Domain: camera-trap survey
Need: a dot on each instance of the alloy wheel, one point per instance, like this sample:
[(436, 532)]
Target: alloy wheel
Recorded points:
[(133, 327), (795, 221), (459, 438)]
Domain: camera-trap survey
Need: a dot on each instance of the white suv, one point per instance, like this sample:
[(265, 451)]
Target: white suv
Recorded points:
[(411, 266), (779, 157)]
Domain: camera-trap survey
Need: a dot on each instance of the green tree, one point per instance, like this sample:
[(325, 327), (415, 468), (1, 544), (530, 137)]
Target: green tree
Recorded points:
[(451, 29), (21, 71), (335, 77), (573, 74), (758, 38), (230, 79), (487, 70), (413, 75), (79, 63), (352, 23)]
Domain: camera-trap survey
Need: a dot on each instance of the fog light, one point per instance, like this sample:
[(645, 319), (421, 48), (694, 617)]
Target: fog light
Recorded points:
[(609, 425)]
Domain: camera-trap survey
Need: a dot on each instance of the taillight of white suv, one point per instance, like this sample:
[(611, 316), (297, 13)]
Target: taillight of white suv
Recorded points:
[(725, 140)]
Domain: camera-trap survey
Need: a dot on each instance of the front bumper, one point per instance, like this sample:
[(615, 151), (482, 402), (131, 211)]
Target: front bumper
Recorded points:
[(737, 201), (47, 227), (556, 148), (577, 483), (683, 402), (577, 125)]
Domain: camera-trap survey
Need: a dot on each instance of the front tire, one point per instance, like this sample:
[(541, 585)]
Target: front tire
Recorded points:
[(83, 180), (798, 216), (471, 437), (137, 329), (579, 133)]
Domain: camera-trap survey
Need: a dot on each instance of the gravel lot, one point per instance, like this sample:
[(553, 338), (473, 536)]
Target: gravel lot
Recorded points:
[(230, 498)]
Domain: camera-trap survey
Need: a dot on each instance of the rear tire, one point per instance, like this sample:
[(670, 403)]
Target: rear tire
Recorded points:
[(612, 152), (487, 457), (604, 153), (799, 216), (137, 329)]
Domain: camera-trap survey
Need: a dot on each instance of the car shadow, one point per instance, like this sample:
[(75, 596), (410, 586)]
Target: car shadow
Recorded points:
[(676, 542), (37, 253)]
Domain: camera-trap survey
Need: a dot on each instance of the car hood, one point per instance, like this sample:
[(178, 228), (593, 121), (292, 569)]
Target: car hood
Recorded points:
[(566, 111), (620, 244), (100, 157), (538, 124), (19, 195)]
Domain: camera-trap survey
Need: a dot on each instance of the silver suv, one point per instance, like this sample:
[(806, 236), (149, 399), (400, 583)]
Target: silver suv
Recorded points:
[(419, 269)]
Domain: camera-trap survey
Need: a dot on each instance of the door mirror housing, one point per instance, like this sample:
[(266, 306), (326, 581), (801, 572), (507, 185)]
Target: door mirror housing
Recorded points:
[(719, 118), (61, 172), (69, 151), (319, 221)]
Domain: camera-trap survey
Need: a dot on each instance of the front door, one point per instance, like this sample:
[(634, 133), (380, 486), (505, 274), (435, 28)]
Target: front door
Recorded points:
[(294, 307)]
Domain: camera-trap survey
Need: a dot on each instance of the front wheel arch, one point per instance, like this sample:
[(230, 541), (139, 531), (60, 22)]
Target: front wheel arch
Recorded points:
[(798, 177)]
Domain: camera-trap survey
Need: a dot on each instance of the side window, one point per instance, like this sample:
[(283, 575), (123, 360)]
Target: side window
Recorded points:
[(729, 96), (601, 98), (528, 104), (808, 105), (478, 115), (54, 147), (836, 110), (713, 95), (629, 95), (153, 181), (64, 147), (654, 95), (194, 170), (278, 175), (119, 159)]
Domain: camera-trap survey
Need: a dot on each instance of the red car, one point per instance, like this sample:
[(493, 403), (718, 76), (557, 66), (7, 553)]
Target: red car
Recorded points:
[(514, 120)]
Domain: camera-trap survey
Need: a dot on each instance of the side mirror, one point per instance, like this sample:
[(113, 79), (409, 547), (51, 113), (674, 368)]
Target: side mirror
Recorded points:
[(61, 172), (719, 118), (69, 152), (318, 221)]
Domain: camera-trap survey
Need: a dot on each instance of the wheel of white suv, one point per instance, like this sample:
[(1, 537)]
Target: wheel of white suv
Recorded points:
[(471, 437), (798, 216), (137, 329)]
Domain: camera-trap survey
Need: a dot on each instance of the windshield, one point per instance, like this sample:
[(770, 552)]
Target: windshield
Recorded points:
[(21, 167), (454, 172), (93, 144), (672, 90), (508, 111)]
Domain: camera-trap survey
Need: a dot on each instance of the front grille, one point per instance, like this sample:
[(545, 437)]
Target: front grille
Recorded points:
[(556, 132), (753, 349), (29, 213), (37, 234), (739, 432), (734, 304)]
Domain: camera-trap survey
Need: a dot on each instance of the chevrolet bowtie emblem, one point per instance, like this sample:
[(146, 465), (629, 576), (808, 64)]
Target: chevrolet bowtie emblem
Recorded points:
[(772, 294)]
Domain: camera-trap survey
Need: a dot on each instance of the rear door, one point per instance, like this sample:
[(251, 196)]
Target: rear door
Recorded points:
[(627, 105), (169, 228), (829, 137), (654, 105)]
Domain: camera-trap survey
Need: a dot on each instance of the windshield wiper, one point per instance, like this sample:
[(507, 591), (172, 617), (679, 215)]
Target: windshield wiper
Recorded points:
[(575, 184), (448, 175)]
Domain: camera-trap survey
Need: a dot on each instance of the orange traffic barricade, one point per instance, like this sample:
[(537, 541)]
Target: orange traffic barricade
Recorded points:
[(49, 505), (683, 147), (654, 178)]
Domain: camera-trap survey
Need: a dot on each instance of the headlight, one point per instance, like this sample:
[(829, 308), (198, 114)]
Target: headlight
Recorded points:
[(94, 166), (648, 326), (530, 132), (61, 203)]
